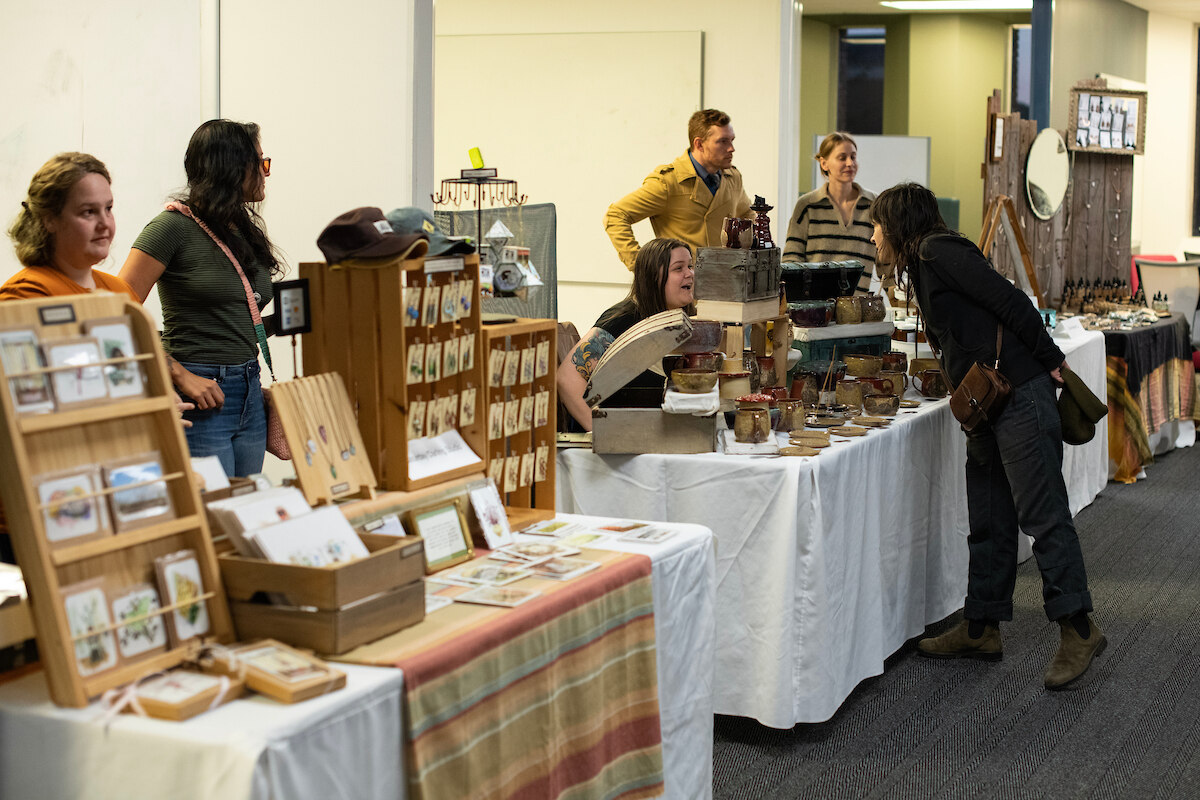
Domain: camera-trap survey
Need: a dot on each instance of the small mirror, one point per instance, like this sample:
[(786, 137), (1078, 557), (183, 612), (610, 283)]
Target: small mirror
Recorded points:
[(1047, 173)]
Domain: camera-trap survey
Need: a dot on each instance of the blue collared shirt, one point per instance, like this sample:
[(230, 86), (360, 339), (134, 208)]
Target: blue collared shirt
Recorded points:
[(711, 179)]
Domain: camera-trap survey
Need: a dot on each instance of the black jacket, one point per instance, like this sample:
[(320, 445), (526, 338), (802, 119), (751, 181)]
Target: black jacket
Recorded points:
[(962, 298)]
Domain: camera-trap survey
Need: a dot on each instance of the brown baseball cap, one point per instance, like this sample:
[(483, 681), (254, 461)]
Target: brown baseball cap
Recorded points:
[(366, 233)]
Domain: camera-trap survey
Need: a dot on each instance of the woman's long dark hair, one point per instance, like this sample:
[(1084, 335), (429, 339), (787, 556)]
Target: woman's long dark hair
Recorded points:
[(220, 155), (908, 213), (646, 295)]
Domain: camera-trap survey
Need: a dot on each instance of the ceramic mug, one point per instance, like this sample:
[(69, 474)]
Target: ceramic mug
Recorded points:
[(872, 308), (791, 416), (877, 385), (931, 383), (752, 425), (850, 393), (895, 361), (848, 311), (899, 381)]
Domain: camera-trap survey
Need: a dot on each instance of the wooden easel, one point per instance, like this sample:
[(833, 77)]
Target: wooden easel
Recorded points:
[(1001, 211)]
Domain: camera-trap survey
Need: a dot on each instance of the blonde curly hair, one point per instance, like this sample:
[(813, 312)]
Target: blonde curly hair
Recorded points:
[(47, 196)]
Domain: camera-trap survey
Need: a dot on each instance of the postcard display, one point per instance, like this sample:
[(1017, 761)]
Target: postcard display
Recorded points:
[(519, 413), (101, 502), (407, 338)]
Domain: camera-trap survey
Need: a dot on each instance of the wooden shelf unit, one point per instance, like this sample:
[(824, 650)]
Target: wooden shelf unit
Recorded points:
[(515, 337), (359, 332), (95, 435)]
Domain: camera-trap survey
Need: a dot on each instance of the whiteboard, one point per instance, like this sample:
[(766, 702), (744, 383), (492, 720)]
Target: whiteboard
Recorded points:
[(884, 161)]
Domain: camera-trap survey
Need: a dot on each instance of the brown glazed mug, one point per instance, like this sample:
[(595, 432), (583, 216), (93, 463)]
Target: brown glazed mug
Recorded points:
[(872, 308), (752, 425), (899, 381), (931, 383), (877, 385), (791, 416), (895, 361)]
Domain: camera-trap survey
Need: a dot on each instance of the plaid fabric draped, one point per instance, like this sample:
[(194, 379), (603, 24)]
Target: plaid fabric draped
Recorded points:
[(1167, 393)]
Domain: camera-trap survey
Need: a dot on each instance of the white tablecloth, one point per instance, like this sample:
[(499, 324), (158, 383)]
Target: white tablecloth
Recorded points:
[(684, 580), (345, 745), (825, 565)]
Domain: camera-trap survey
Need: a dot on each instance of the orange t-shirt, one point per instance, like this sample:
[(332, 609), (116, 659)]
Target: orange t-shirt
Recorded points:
[(49, 282)]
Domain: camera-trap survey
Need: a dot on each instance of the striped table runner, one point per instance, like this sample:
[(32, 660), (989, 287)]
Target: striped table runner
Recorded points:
[(554, 698)]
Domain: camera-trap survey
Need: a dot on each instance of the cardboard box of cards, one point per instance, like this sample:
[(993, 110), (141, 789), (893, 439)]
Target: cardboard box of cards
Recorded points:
[(332, 608)]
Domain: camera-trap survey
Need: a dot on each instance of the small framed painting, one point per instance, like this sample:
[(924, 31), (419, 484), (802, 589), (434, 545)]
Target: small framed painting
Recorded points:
[(146, 498), (142, 632), (84, 382), (89, 625), (490, 514), (20, 353), (115, 337), (286, 674), (444, 529), (72, 511), (180, 582)]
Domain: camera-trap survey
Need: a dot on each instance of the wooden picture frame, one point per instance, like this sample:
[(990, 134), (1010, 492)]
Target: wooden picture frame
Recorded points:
[(282, 672), (20, 352), (444, 528), (181, 584), (182, 694), (1097, 116), (78, 377), (147, 499), (115, 337), (73, 509)]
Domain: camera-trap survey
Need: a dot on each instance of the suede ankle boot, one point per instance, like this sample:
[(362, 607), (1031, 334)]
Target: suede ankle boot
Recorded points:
[(957, 643), (1074, 654)]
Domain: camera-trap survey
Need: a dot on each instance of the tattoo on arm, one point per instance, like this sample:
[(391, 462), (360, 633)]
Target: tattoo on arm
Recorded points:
[(588, 352)]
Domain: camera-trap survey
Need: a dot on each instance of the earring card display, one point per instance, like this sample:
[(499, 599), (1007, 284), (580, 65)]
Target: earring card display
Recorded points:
[(98, 487), (1105, 120), (520, 410), (407, 339), (328, 451)]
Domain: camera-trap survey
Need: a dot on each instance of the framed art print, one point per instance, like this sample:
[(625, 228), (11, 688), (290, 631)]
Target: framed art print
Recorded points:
[(19, 352), (116, 341), (146, 498), (445, 531), (1107, 121), (292, 308), (286, 674), (95, 648), (84, 383), (141, 632), (490, 514), (72, 511), (180, 582)]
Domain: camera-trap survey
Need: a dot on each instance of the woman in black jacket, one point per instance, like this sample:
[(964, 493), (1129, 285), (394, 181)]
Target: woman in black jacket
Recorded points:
[(1014, 461)]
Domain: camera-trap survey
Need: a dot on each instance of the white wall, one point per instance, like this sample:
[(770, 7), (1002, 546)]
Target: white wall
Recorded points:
[(1167, 167)]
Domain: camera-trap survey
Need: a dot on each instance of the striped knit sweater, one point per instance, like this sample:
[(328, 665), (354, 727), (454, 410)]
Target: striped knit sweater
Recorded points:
[(816, 233)]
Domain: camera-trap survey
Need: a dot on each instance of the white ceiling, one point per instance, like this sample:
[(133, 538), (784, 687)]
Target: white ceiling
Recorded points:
[(1184, 9)]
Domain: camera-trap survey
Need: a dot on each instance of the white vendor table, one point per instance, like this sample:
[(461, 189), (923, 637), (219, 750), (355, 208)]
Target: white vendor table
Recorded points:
[(344, 745), (825, 565)]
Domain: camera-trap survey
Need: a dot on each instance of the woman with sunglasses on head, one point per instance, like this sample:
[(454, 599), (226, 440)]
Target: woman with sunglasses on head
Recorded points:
[(210, 332)]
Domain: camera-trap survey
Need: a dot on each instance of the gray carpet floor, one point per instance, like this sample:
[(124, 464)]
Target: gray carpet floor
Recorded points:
[(1130, 728)]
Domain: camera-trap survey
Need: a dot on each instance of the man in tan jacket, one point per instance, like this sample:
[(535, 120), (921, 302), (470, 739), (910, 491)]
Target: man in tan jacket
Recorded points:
[(689, 198)]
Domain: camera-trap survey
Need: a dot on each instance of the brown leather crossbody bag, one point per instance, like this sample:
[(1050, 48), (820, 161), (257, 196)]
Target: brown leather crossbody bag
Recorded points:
[(983, 392)]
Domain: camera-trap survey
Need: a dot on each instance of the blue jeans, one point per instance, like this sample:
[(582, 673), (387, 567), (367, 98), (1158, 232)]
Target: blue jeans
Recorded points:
[(236, 432), (1014, 478)]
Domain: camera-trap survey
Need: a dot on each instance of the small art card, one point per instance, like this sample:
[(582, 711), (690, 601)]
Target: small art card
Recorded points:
[(282, 663), (180, 583), (416, 363), (535, 551), (84, 383), (495, 368), (177, 687), (433, 296), (19, 352), (445, 531), (416, 419), (512, 416), (436, 602), (284, 673), (554, 528), (141, 495), (450, 358), (512, 469), (466, 351), (87, 612), (496, 420), (496, 470), (433, 417), (466, 407), (489, 512), (541, 462), (71, 510), (526, 476), (507, 596), (116, 341), (541, 409), (564, 569), (412, 306), (648, 535), (450, 412), (542, 364), (466, 298), (433, 361), (512, 367), (141, 632), (486, 575), (317, 539), (450, 302), (527, 359), (525, 422)]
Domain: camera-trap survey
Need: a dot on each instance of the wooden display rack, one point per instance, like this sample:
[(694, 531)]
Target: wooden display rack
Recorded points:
[(358, 316), (97, 434), (517, 337), (1001, 213)]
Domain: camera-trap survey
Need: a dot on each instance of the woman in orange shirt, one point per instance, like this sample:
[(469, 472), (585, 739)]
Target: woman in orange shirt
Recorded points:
[(65, 228)]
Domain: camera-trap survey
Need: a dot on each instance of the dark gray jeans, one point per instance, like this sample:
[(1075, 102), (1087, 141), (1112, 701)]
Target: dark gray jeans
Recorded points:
[(1014, 478)]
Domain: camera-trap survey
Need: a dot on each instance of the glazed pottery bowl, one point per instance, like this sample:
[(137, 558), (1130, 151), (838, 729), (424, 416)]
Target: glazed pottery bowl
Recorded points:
[(848, 311), (872, 307), (919, 365), (881, 405), (863, 366), (694, 381), (810, 313), (711, 361)]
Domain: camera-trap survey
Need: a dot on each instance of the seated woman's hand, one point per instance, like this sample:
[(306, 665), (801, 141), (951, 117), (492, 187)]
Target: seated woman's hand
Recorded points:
[(204, 392)]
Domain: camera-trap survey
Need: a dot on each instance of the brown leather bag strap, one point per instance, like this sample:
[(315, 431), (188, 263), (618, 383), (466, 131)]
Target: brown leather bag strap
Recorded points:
[(999, 342)]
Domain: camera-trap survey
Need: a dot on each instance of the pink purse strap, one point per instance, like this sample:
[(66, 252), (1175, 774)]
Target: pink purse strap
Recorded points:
[(255, 315)]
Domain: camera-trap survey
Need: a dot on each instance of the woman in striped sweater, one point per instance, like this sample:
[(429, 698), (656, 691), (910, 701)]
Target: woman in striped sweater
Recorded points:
[(831, 223)]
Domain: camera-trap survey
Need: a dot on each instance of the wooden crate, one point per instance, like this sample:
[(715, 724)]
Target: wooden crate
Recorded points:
[(518, 337), (736, 275), (98, 434), (358, 332)]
